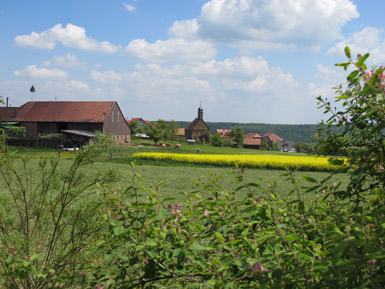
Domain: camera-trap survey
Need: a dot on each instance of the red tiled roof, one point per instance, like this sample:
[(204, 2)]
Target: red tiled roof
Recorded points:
[(223, 132), (273, 137), (252, 141), (137, 119), (252, 135), (64, 111)]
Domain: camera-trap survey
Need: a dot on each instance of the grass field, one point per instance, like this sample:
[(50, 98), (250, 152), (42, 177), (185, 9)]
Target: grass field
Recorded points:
[(176, 178)]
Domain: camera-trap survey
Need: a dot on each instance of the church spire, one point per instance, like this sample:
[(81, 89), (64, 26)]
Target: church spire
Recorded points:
[(200, 111)]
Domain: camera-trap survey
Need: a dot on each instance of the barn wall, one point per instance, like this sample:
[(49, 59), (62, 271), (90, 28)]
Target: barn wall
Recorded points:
[(116, 124)]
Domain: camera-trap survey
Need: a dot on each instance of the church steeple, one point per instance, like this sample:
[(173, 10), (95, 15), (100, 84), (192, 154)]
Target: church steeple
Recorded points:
[(200, 111)]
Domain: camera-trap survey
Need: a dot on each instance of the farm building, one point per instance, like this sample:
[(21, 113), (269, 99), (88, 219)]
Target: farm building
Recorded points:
[(271, 137), (73, 118), (252, 141), (197, 129)]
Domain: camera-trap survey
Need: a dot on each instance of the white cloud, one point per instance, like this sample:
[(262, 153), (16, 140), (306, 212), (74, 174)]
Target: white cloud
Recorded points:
[(327, 78), (129, 7), (70, 36), (171, 50), (359, 42), (106, 77), (270, 24), (368, 40), (32, 72), (68, 60), (213, 81), (187, 29)]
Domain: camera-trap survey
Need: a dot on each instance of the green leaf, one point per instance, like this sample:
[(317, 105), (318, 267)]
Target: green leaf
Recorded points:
[(347, 52), (33, 257), (197, 247), (151, 243), (118, 231), (362, 59), (169, 199), (340, 249), (219, 237), (353, 74), (309, 179)]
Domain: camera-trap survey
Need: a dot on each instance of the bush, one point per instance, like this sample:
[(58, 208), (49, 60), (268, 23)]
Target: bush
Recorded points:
[(357, 129)]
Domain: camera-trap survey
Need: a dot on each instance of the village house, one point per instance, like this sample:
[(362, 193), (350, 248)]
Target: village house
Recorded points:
[(73, 118), (224, 133), (140, 121), (271, 137)]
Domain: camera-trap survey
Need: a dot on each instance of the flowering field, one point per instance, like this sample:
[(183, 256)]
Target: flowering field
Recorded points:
[(301, 163)]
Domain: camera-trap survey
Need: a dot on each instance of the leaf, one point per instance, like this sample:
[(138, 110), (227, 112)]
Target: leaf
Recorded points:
[(33, 257), (309, 179), (197, 247), (219, 237), (362, 59), (347, 52), (151, 243), (353, 74), (169, 199), (118, 231), (340, 249)]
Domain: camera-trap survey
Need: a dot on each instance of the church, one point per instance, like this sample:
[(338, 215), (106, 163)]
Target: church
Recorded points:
[(198, 129)]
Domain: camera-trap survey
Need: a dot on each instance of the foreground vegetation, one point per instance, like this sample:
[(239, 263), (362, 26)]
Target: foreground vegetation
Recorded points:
[(70, 228)]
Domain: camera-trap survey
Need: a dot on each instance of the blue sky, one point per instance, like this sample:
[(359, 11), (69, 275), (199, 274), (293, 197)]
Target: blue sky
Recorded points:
[(262, 61)]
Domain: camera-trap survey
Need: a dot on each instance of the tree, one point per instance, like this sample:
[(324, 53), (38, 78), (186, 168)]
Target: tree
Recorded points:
[(155, 134), (238, 135), (217, 140), (356, 130), (264, 145), (134, 127), (174, 129), (274, 146)]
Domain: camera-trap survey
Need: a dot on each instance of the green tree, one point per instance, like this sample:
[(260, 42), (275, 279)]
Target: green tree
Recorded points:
[(134, 127), (155, 134), (238, 135), (174, 129), (274, 146), (264, 145), (217, 140)]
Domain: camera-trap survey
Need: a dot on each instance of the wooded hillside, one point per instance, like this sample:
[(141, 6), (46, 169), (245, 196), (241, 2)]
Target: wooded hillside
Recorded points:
[(295, 132)]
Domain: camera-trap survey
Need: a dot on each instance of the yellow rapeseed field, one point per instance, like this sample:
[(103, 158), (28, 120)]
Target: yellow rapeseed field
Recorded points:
[(303, 163)]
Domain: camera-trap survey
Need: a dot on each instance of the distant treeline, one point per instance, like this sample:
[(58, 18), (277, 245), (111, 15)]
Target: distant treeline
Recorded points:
[(294, 132)]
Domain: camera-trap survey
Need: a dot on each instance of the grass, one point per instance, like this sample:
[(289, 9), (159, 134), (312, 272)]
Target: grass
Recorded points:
[(175, 178)]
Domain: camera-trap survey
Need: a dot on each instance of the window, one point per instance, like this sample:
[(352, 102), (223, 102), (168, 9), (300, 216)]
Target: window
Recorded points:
[(117, 117), (112, 116)]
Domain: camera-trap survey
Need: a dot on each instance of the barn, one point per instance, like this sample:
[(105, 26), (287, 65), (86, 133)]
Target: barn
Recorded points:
[(73, 118)]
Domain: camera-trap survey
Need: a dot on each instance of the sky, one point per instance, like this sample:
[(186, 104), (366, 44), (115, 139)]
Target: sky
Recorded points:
[(245, 61)]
